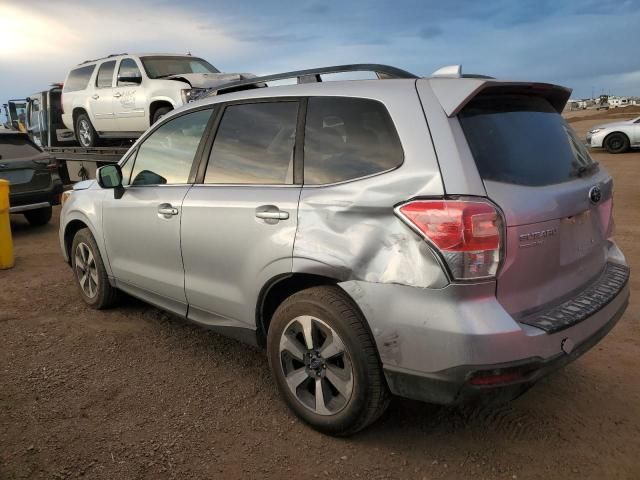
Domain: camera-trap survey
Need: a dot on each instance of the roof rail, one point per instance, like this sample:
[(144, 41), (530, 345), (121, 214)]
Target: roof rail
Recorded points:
[(102, 58), (309, 76)]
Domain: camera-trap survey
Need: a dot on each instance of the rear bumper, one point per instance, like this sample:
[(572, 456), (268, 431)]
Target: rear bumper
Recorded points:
[(21, 202), (454, 386), (434, 343)]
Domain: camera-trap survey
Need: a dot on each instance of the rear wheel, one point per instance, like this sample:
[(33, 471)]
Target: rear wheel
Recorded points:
[(90, 273), (39, 217), (325, 362), (85, 133), (616, 143)]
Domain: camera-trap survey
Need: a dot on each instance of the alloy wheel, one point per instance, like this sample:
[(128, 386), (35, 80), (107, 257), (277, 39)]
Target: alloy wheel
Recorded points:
[(85, 132), (316, 365), (86, 270)]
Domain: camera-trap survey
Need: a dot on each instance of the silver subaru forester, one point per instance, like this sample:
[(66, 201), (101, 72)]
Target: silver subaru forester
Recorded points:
[(446, 239)]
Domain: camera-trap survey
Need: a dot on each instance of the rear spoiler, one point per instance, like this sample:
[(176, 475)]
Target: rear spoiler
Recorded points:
[(454, 93)]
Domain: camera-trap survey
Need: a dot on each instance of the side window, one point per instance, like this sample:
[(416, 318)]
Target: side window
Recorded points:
[(166, 156), (105, 75), (128, 69), (348, 138), (78, 79), (254, 144)]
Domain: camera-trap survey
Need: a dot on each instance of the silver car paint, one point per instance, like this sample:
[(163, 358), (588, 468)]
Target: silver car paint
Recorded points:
[(421, 322), (234, 253)]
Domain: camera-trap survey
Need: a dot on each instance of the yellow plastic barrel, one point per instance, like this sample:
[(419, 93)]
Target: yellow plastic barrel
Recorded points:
[(6, 243)]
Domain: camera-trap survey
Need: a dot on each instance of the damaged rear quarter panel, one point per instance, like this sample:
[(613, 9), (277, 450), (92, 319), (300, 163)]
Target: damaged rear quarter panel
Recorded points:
[(349, 231)]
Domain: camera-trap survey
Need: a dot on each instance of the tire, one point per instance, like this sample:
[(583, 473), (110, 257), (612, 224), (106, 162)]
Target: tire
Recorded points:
[(39, 217), (96, 290), (352, 380), (85, 133), (616, 143), (159, 113)]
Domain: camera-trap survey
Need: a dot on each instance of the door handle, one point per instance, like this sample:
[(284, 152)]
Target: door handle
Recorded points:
[(271, 213), (167, 210), (117, 95), (95, 96)]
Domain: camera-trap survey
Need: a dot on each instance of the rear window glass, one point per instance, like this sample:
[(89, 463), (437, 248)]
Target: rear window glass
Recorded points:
[(348, 138), (16, 146), (521, 139), (78, 79)]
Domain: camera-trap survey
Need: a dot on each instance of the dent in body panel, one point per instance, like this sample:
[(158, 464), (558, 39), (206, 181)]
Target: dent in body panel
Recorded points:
[(351, 232)]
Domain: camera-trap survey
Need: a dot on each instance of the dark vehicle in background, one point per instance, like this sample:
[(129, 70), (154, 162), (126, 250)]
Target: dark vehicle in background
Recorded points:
[(33, 174)]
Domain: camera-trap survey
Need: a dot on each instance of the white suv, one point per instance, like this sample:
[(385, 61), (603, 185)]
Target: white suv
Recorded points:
[(120, 96)]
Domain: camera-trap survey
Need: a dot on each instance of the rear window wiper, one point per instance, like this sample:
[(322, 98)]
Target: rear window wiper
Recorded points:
[(583, 170)]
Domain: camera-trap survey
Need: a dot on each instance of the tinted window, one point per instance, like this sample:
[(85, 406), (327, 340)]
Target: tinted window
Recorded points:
[(167, 154), (348, 138), (105, 75), (78, 79), (522, 140), (254, 144), (16, 146), (128, 68), (157, 67)]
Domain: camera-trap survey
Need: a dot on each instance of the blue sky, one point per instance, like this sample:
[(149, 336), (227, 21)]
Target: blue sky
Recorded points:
[(581, 44)]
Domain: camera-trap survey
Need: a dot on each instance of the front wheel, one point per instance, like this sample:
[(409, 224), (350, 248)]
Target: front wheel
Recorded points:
[(90, 273), (159, 113), (325, 362), (616, 143)]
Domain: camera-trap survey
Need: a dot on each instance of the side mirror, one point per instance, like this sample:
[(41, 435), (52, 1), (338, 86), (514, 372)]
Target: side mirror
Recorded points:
[(130, 78), (110, 176)]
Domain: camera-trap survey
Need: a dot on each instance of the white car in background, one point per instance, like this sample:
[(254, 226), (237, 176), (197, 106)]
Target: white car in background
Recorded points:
[(615, 137), (120, 96)]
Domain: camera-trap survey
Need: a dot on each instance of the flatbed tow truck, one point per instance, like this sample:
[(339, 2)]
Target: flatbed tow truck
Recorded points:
[(42, 112), (79, 163)]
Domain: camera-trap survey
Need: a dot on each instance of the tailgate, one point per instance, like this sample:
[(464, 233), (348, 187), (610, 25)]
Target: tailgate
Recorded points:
[(556, 200)]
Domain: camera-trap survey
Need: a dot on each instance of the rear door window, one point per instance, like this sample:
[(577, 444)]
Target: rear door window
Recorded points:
[(521, 139), (78, 79), (254, 144), (166, 156), (348, 138), (105, 75)]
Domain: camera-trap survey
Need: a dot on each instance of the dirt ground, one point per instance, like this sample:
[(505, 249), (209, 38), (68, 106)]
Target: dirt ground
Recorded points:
[(135, 393)]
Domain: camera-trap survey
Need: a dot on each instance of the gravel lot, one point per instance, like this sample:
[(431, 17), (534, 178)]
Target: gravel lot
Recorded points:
[(136, 393)]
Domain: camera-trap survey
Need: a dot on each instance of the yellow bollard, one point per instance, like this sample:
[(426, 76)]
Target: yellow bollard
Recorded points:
[(6, 243)]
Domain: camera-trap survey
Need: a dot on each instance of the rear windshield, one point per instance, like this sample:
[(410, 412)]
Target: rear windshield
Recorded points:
[(16, 146), (521, 139), (78, 79), (159, 67)]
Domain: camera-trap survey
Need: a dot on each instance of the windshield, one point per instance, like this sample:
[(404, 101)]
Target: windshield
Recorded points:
[(158, 67), (521, 139)]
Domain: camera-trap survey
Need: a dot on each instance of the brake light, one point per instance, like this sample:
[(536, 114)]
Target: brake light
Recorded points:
[(467, 234)]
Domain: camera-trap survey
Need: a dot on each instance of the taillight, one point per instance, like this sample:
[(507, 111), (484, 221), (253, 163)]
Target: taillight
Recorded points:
[(467, 234)]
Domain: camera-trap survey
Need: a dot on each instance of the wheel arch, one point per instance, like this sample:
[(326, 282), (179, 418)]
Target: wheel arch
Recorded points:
[(70, 230), (604, 140), (277, 290), (77, 111), (156, 104)]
